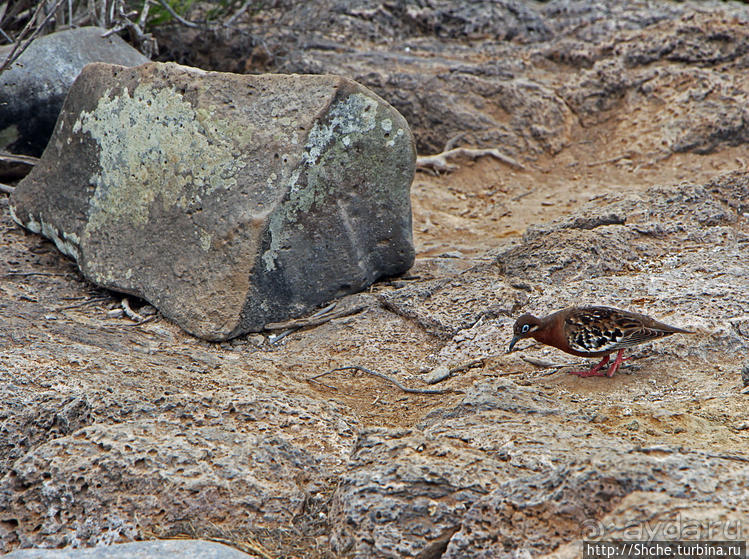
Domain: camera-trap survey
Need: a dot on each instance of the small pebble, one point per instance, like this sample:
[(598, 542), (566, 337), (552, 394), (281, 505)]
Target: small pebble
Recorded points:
[(452, 254), (439, 373)]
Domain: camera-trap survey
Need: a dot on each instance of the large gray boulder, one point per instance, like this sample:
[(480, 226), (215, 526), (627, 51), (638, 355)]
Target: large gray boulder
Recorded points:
[(226, 201), (33, 89)]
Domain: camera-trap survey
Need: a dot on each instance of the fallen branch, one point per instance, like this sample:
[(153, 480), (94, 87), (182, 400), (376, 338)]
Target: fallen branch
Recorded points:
[(452, 142), (14, 158), (131, 313), (229, 22), (627, 155), (7, 188), (545, 364), (14, 273), (438, 162), (84, 303), (384, 377), (320, 317), (116, 313), (292, 326)]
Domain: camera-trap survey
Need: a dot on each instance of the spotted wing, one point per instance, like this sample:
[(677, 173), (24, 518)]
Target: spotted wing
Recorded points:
[(602, 329)]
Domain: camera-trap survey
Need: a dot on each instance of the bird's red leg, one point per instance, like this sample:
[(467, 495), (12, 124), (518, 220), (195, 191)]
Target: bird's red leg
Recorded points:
[(594, 372), (618, 361)]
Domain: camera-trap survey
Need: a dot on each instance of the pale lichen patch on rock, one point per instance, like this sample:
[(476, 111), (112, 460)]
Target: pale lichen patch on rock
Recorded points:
[(9, 135), (328, 150), (154, 145), (205, 240)]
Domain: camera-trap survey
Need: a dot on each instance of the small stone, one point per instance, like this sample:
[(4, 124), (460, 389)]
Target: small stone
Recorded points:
[(153, 549), (633, 425), (438, 374)]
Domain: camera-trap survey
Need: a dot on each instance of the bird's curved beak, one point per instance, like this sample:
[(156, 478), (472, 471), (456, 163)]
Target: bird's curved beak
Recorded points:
[(512, 343)]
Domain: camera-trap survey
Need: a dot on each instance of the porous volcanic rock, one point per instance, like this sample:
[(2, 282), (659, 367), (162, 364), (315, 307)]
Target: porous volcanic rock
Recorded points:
[(33, 88), (226, 201), (247, 458), (509, 469)]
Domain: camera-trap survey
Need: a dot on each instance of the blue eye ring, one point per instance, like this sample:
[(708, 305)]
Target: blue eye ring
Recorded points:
[(525, 328)]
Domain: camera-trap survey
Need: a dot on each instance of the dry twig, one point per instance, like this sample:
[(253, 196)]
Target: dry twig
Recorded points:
[(627, 155), (438, 162), (19, 47), (7, 188), (17, 158), (176, 16), (145, 41), (15, 273), (132, 314), (295, 324), (239, 12), (544, 364), (326, 315), (83, 303), (384, 377), (320, 317)]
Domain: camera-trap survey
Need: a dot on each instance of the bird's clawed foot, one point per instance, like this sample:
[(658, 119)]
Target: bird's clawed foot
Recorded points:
[(617, 362), (596, 371)]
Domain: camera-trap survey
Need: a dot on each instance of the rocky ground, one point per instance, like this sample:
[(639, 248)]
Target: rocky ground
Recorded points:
[(630, 124)]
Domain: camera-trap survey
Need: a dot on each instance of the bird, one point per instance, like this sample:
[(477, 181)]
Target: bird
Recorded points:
[(593, 331)]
